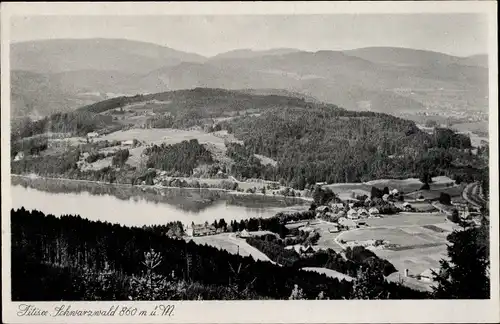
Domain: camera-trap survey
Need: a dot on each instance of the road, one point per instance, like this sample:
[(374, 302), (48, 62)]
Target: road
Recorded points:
[(472, 193)]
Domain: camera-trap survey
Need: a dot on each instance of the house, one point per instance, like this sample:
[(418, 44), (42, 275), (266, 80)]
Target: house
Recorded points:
[(19, 156), (352, 214), (374, 211), (362, 212), (407, 206), (308, 251), (427, 275), (385, 197), (200, 230), (347, 222), (394, 192), (244, 234), (323, 209), (334, 229), (306, 229), (92, 135), (128, 142)]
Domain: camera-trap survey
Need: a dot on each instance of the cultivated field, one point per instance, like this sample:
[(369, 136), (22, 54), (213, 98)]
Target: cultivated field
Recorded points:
[(420, 240), (406, 185), (169, 136)]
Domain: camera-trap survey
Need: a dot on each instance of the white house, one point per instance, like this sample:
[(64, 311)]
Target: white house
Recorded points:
[(352, 214), (244, 234), (128, 142), (394, 192), (374, 211), (385, 197), (427, 275), (362, 212), (341, 214), (19, 156), (92, 135)]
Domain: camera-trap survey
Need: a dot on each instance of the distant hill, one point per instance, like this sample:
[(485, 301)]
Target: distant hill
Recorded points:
[(411, 57), (63, 55), (476, 60), (382, 79)]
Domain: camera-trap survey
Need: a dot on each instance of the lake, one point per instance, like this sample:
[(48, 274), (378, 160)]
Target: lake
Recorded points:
[(137, 210)]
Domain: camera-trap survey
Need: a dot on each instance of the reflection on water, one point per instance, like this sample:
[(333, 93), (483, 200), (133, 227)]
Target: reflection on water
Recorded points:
[(135, 211)]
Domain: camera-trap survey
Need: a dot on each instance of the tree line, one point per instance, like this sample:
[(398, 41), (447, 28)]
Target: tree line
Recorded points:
[(70, 250)]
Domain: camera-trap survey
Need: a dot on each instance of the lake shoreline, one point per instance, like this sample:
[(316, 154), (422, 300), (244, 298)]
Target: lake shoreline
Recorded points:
[(185, 197)]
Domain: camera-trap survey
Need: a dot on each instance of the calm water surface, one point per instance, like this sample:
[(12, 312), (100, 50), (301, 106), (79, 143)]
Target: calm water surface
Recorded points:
[(132, 212)]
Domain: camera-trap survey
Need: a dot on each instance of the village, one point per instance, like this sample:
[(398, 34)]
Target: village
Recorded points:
[(409, 232)]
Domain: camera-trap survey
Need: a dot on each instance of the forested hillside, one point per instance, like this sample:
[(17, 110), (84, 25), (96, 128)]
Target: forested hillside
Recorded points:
[(319, 144), (311, 142)]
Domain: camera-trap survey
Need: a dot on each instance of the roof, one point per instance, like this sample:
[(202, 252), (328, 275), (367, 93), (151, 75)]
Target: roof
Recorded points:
[(322, 208), (362, 211), (428, 273), (374, 210), (352, 212)]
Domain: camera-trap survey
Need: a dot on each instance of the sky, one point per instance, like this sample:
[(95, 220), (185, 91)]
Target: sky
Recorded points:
[(455, 34)]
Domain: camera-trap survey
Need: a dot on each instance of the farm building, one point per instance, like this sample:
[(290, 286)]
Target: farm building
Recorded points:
[(362, 212), (307, 229), (347, 222), (334, 229), (323, 209), (92, 135), (200, 230), (427, 275), (244, 234), (307, 251), (407, 206), (128, 142), (352, 214), (19, 156), (374, 211)]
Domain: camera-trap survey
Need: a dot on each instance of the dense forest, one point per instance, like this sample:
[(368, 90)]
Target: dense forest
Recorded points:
[(322, 144), (70, 258), (182, 157)]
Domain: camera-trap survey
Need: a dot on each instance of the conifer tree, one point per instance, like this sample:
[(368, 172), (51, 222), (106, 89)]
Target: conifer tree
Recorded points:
[(466, 273)]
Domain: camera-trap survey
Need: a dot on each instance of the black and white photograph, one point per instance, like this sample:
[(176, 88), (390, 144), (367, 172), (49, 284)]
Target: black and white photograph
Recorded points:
[(248, 157)]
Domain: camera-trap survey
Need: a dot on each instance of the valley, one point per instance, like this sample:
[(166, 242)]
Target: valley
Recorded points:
[(273, 174)]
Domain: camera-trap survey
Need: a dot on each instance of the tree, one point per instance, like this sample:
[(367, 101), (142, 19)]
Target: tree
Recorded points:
[(466, 274), (445, 198), (454, 217), (297, 293), (369, 285)]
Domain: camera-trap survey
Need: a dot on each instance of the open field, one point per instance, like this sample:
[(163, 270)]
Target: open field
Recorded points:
[(327, 239), (169, 136), (454, 191), (405, 185), (407, 237), (339, 188), (406, 219), (415, 260), (229, 242)]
